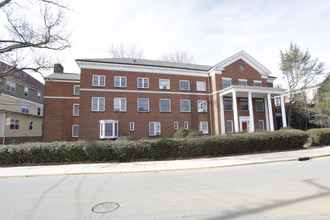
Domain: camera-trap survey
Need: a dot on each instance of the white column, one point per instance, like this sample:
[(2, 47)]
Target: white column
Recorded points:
[(251, 113), (222, 116), (266, 112), (283, 111), (270, 112), (235, 112)]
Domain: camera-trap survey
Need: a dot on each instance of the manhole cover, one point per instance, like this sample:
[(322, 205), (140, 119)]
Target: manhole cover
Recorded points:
[(105, 207)]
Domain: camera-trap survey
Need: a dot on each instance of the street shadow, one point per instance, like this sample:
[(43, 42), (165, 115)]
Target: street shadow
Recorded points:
[(278, 204)]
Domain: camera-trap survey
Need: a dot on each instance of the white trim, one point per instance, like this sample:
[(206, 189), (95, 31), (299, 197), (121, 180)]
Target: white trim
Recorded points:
[(154, 124), (137, 105), (160, 109), (102, 128), (140, 68), (143, 78), (188, 85), (141, 91), (257, 81), (235, 111), (73, 110), (98, 104), (24, 100), (131, 128), (263, 125), (184, 125), (253, 89), (198, 110), (176, 126), (114, 82), (60, 97), (270, 112), (197, 86), (169, 84), (62, 80), (222, 116), (250, 104), (73, 131), (120, 110), (232, 126), (244, 119), (201, 127), (266, 113), (263, 106), (74, 89), (189, 105), (99, 80)]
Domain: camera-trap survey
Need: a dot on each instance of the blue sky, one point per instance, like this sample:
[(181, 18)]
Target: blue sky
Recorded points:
[(209, 29)]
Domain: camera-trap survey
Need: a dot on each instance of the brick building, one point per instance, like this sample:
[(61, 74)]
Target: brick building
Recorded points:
[(148, 98)]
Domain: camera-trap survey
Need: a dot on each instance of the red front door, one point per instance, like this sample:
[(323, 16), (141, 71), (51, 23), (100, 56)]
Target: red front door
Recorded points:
[(244, 126)]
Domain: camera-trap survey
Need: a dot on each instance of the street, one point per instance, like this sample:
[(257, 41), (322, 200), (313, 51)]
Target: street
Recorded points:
[(288, 190)]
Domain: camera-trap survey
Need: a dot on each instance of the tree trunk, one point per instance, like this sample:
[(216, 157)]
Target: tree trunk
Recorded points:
[(289, 113)]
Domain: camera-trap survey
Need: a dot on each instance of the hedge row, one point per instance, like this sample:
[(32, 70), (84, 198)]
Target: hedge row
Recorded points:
[(319, 137), (155, 149)]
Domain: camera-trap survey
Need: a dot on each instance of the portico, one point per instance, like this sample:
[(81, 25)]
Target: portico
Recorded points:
[(259, 101)]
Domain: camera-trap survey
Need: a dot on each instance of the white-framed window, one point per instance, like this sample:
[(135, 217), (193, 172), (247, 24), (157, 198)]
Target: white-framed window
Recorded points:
[(131, 126), (259, 105), (108, 129), (176, 126), (184, 85), (200, 86), (228, 104), (277, 100), (244, 105), (257, 83), (98, 80), (39, 111), (75, 109), (242, 82), (226, 82), (10, 86), (13, 141), (154, 128), (14, 124), (202, 105), (164, 105), (39, 95), (186, 125), (120, 81), (25, 108), (30, 125), (76, 90), (261, 125), (204, 127), (185, 105), (143, 105), (143, 83), (119, 105), (26, 91), (75, 130), (230, 128), (98, 104), (164, 84)]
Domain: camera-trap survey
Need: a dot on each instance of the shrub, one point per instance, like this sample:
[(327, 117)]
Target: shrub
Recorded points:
[(180, 133), (194, 133), (287, 128), (125, 138), (319, 136)]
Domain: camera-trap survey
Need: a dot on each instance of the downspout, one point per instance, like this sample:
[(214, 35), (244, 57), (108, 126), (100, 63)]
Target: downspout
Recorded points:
[(3, 128), (210, 103)]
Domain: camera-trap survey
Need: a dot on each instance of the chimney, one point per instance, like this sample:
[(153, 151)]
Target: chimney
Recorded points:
[(58, 68)]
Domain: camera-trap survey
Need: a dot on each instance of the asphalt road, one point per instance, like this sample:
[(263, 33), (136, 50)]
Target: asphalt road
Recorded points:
[(291, 190)]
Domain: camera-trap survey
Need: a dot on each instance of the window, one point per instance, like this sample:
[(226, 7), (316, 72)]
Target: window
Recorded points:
[(76, 90), (13, 141), (98, 104), (14, 124), (26, 91), (184, 85), (228, 104), (244, 105), (186, 125), (259, 105), (154, 128), (261, 125), (202, 106), (176, 126), (200, 86), (39, 111), (242, 82), (10, 86), (185, 105), (165, 105), (98, 80), (226, 82), (257, 83), (75, 130), (229, 126), (75, 109), (204, 127), (143, 105), (30, 125), (119, 105), (120, 81), (25, 108), (39, 95), (241, 68), (164, 84), (108, 129), (143, 83), (277, 100), (131, 126)]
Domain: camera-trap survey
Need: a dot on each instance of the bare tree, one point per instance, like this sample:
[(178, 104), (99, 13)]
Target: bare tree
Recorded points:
[(120, 51), (32, 31), (178, 56)]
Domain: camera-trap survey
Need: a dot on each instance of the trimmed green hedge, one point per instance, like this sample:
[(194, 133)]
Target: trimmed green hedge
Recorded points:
[(153, 149), (319, 136)]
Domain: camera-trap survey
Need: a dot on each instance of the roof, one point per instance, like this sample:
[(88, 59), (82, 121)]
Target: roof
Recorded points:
[(144, 62), (63, 76), (23, 77)]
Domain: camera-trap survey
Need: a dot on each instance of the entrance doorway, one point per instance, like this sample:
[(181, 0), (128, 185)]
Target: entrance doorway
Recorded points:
[(244, 123)]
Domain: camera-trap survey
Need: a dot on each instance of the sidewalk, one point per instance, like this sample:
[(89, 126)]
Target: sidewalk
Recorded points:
[(159, 166)]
